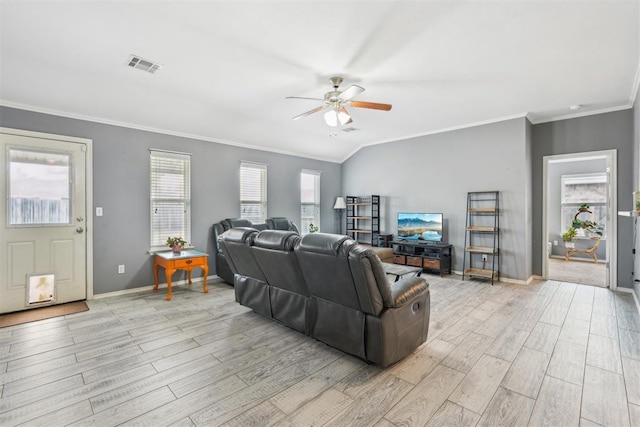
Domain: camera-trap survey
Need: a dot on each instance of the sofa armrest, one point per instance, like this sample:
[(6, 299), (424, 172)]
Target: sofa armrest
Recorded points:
[(407, 289)]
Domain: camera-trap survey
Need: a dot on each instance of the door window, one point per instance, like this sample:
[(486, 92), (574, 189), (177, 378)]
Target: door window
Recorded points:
[(39, 186)]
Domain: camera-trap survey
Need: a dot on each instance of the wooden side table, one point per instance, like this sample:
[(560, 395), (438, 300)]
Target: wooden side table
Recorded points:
[(186, 260)]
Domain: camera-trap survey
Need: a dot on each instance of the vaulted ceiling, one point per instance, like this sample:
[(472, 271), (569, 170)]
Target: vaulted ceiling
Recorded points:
[(227, 66)]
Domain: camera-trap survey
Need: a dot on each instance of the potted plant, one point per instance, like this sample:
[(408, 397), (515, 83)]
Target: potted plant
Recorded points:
[(569, 236), (176, 243), (590, 227), (313, 228)]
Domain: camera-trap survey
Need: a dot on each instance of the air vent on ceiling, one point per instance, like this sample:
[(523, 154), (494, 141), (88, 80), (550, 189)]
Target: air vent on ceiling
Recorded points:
[(143, 64), (350, 129)]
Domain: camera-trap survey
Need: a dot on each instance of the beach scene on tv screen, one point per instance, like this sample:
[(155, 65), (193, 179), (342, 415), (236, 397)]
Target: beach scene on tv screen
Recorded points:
[(420, 226)]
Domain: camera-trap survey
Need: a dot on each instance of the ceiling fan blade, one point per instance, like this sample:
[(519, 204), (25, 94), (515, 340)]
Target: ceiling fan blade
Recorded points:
[(310, 112), (303, 97), (373, 105), (350, 92)]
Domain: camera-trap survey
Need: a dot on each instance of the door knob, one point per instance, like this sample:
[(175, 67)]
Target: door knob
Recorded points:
[(79, 230)]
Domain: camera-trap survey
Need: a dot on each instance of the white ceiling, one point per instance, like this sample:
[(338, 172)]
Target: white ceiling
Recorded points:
[(228, 65)]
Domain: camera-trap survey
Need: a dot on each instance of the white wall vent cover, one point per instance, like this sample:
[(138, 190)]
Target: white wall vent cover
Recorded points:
[(143, 64)]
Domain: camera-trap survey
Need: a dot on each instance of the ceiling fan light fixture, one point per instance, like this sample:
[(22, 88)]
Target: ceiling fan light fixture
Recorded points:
[(331, 118), (334, 103), (343, 116)]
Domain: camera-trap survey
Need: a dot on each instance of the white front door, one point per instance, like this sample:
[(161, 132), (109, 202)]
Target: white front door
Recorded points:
[(43, 220)]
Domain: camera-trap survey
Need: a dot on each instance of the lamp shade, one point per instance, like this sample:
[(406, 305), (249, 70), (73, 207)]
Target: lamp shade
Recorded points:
[(340, 203), (331, 118)]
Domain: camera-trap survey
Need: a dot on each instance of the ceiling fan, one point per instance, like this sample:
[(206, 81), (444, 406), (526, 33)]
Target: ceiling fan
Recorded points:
[(335, 102)]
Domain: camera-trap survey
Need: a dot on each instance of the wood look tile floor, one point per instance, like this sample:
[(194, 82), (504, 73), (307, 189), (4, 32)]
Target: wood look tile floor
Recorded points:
[(547, 354)]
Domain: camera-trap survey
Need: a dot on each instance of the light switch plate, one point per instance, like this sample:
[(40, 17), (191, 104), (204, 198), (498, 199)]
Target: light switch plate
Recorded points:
[(99, 211)]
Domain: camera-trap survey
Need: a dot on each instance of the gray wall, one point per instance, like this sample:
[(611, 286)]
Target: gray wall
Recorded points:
[(636, 182), (590, 133), (555, 171), (434, 173), (121, 187)]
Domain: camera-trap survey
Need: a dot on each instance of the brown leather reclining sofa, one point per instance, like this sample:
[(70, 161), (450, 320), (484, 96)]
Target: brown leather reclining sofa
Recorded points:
[(331, 288)]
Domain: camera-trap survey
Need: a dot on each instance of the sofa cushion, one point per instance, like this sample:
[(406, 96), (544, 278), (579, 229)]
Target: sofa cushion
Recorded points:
[(288, 292), (281, 223), (324, 263), (277, 239), (236, 245), (327, 244), (236, 222)]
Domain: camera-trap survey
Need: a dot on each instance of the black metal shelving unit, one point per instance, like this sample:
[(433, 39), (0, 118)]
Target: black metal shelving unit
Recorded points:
[(482, 236), (363, 218)]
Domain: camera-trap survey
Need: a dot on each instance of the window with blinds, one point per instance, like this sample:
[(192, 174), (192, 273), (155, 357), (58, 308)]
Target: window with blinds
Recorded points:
[(309, 199), (253, 191), (170, 197)]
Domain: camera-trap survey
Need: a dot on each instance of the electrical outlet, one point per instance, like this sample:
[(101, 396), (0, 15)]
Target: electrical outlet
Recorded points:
[(484, 257), (121, 269), (555, 243)]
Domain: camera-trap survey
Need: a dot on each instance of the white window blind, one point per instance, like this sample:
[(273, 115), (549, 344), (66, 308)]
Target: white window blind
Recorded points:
[(170, 197), (253, 191), (309, 199)]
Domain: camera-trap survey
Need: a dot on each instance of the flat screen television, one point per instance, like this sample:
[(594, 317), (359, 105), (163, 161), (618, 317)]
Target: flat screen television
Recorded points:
[(425, 227)]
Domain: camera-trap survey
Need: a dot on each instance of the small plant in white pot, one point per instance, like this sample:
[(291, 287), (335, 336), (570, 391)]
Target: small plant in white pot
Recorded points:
[(568, 237)]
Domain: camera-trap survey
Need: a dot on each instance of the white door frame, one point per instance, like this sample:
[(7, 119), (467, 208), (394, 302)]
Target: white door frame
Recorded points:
[(612, 208), (88, 143)]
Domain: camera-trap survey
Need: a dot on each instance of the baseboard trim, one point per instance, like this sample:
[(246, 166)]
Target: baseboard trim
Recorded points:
[(149, 288), (635, 297), (518, 281), (506, 279)]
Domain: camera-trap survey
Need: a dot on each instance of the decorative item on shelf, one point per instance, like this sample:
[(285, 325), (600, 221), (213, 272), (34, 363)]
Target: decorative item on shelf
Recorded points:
[(636, 201), (313, 228), (176, 243), (340, 206)]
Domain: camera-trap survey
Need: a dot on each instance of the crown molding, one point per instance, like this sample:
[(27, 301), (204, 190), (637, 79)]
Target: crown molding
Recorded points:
[(159, 130)]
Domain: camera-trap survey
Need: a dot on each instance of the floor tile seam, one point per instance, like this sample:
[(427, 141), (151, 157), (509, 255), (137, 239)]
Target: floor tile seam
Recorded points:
[(93, 409), (525, 396), (627, 329), (625, 394), (20, 357), (4, 341), (624, 381), (31, 402), (586, 363)]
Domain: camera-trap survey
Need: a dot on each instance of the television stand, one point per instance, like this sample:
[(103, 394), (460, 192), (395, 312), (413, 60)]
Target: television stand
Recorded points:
[(432, 257)]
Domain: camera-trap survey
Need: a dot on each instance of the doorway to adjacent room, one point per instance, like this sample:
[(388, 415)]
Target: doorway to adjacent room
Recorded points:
[(580, 186)]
